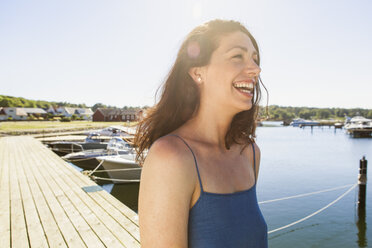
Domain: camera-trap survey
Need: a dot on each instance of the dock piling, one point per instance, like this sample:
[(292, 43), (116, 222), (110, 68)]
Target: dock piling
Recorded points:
[(361, 223), (362, 182)]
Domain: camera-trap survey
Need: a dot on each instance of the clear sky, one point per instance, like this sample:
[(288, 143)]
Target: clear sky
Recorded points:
[(314, 52)]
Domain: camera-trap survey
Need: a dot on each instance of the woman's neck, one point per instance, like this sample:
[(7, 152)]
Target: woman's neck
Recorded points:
[(210, 125)]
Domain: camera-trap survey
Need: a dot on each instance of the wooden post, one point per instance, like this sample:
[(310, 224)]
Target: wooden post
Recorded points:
[(361, 223), (362, 181)]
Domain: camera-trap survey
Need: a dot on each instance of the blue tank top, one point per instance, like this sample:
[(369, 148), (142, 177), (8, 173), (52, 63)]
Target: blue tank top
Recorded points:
[(231, 220)]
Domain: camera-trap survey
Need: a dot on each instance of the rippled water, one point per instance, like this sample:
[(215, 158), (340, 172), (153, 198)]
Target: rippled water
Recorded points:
[(296, 161)]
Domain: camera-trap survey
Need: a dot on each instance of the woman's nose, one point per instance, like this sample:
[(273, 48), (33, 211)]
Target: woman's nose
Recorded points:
[(252, 69)]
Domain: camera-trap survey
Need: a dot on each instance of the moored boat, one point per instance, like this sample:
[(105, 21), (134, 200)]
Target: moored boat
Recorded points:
[(121, 168), (92, 141), (338, 125), (87, 159), (113, 131), (302, 122), (359, 126)]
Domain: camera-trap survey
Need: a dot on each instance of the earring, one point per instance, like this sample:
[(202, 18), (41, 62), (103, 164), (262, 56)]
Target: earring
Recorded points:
[(199, 79)]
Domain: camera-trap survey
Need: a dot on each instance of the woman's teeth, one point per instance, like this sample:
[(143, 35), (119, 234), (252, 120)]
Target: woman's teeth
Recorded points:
[(245, 91), (244, 87)]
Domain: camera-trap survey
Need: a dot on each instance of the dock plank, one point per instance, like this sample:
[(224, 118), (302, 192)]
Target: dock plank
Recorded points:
[(118, 231), (56, 204), (17, 217), (85, 209), (5, 198), (129, 213), (35, 230), (121, 219), (43, 203), (105, 198), (51, 229), (75, 210)]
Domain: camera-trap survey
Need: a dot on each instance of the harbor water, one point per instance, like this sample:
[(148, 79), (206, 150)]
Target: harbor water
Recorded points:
[(304, 160), (298, 161)]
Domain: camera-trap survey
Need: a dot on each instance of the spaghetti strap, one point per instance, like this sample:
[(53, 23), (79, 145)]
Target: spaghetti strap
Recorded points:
[(196, 163), (254, 163)]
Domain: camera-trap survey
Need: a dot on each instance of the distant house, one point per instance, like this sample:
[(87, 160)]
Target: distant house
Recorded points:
[(65, 111), (85, 113), (52, 110), (36, 112), (112, 114), (101, 114), (17, 114), (3, 115)]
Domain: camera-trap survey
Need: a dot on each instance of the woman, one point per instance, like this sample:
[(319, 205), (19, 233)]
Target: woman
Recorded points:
[(199, 177)]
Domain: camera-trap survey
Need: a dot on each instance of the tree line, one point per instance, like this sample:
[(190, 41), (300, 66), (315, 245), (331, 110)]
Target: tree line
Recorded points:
[(275, 112), (20, 102), (282, 113)]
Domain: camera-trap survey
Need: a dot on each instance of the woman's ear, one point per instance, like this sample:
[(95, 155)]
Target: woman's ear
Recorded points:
[(196, 74)]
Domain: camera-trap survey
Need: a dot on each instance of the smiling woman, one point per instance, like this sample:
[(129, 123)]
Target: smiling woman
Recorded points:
[(198, 183)]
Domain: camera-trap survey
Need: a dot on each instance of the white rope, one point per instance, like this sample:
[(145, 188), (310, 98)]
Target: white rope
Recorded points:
[(306, 194), (315, 213), (117, 180), (68, 150), (78, 159), (125, 169), (96, 168)]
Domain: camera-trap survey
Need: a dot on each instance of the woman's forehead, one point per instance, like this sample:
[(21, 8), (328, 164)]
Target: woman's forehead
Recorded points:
[(235, 40)]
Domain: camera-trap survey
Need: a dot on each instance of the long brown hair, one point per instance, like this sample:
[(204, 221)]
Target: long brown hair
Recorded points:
[(180, 95)]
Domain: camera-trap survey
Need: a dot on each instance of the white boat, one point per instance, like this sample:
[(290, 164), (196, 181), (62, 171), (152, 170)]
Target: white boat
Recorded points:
[(113, 131), (92, 141), (359, 126), (302, 122), (121, 168), (338, 125), (86, 159)]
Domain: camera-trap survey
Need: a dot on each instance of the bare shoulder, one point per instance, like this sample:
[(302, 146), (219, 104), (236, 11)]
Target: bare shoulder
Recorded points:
[(169, 152), (169, 159), (167, 184)]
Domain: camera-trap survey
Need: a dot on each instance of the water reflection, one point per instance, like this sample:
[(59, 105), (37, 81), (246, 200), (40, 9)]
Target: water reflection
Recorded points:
[(127, 193), (362, 227)]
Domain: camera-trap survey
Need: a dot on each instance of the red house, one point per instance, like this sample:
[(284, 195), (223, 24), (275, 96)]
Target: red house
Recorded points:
[(112, 114)]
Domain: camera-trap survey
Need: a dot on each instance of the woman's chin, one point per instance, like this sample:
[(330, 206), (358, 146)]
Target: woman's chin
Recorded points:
[(246, 106), (242, 108)]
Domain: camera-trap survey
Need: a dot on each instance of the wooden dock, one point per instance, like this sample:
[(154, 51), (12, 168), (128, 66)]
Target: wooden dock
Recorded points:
[(56, 134), (44, 202), (72, 138)]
